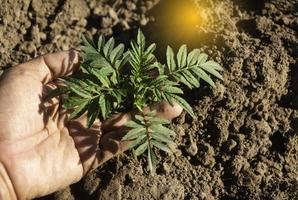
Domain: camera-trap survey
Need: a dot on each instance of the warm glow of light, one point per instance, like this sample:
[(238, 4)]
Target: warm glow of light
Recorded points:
[(179, 20), (186, 16)]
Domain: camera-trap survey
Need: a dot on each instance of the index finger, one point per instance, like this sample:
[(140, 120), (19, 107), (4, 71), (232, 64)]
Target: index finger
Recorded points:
[(48, 67)]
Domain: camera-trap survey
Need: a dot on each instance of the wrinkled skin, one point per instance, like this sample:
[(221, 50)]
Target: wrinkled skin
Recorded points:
[(40, 150)]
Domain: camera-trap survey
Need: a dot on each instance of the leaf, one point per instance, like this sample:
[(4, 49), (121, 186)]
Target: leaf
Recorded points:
[(159, 120), (89, 45), (92, 114), (138, 141), (193, 57), (120, 63), (141, 149), (101, 75), (191, 79), (140, 38), (116, 53), (108, 47), (140, 118), (78, 111), (202, 58), (173, 90), (99, 62), (170, 59), (184, 105), (212, 64), (79, 90), (72, 102), (134, 133), (102, 105), (161, 137), (133, 124), (150, 49), (162, 129), (100, 43), (182, 56), (151, 159), (213, 72), (184, 81), (161, 146), (204, 76)]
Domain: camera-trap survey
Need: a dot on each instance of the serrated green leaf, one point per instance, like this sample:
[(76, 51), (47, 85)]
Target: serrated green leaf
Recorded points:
[(151, 114), (161, 146), (149, 60), (159, 120), (182, 56), (191, 79), (140, 38), (174, 90), (212, 71), (138, 141), (108, 47), (212, 64), (89, 45), (133, 124), (167, 98), (170, 59), (116, 53), (162, 137), (141, 149), (182, 79), (202, 58), (120, 63), (135, 48), (184, 105), (134, 133), (161, 129), (193, 57), (151, 159), (203, 75), (92, 114), (101, 75), (140, 118), (79, 91), (103, 106), (72, 102), (99, 62), (78, 111), (100, 43), (150, 49)]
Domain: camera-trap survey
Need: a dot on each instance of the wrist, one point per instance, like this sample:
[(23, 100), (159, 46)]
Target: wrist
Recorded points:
[(6, 188)]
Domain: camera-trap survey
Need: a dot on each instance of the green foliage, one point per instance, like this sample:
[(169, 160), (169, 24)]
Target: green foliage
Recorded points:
[(112, 80)]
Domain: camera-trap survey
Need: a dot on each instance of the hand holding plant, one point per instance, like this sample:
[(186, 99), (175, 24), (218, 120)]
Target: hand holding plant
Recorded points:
[(112, 81)]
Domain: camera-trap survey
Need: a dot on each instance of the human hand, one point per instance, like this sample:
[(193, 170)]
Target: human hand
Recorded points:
[(40, 150)]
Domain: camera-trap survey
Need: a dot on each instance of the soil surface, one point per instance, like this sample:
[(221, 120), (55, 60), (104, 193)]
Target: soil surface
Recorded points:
[(243, 143)]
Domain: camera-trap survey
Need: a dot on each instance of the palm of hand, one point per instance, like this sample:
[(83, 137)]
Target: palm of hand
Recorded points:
[(39, 150)]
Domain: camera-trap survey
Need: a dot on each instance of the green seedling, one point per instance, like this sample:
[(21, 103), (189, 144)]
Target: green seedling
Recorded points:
[(112, 80)]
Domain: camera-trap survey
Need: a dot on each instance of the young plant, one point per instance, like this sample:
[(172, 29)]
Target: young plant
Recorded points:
[(112, 80)]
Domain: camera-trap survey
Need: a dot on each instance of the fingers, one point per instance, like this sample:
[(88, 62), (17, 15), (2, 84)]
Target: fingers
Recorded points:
[(110, 145), (163, 110), (50, 66)]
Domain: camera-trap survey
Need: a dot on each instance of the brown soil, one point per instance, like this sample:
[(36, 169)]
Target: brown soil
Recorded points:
[(244, 142)]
